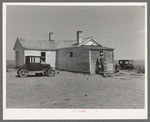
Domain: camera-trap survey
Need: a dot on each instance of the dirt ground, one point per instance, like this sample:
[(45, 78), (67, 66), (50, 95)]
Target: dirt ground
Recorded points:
[(125, 90)]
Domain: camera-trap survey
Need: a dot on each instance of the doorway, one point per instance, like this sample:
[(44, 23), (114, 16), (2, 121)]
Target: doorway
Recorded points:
[(97, 62)]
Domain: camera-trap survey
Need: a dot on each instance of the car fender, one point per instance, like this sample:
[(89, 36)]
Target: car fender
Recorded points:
[(50, 68)]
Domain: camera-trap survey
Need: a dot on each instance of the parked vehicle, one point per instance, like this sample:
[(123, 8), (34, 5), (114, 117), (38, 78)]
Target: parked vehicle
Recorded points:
[(35, 64), (126, 64)]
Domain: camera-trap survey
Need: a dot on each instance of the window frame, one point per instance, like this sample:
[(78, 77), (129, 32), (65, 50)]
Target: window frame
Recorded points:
[(43, 57), (71, 54)]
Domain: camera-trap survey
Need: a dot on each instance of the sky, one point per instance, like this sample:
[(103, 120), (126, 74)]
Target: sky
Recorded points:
[(118, 27)]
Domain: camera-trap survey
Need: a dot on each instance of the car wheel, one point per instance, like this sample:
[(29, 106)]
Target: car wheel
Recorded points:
[(23, 73), (50, 73)]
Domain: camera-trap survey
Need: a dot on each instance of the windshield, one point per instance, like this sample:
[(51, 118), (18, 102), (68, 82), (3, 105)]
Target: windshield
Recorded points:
[(126, 62), (130, 62), (37, 60)]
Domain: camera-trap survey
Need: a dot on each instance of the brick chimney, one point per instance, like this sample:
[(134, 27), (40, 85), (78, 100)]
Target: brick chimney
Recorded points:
[(51, 36), (79, 37)]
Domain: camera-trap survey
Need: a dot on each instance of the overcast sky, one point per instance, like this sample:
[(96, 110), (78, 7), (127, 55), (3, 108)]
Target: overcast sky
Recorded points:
[(117, 27)]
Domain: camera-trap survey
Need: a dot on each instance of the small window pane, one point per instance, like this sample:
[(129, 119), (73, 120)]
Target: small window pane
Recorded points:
[(130, 62), (27, 59), (43, 54), (126, 62), (37, 60), (71, 54), (32, 59)]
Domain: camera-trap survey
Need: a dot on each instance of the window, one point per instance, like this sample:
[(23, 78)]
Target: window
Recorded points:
[(120, 62), (43, 56), (37, 60), (71, 54), (31, 59), (130, 62), (126, 62), (27, 59)]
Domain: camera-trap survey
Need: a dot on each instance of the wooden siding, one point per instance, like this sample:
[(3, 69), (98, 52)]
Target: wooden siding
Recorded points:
[(78, 63), (32, 53), (57, 60), (19, 55), (51, 58), (108, 61)]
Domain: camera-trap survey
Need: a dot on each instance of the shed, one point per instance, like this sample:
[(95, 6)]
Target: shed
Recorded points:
[(81, 55)]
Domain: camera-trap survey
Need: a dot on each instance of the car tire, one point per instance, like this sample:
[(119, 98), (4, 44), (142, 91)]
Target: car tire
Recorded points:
[(50, 73), (23, 73)]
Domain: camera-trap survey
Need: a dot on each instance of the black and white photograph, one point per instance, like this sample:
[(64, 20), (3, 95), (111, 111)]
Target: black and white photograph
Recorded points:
[(75, 60)]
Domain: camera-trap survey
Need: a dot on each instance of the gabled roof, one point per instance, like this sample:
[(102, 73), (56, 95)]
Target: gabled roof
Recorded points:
[(85, 40), (36, 43), (28, 43), (73, 43)]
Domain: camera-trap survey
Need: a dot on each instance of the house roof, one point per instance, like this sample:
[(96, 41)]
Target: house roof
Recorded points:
[(36, 43), (28, 43), (70, 43)]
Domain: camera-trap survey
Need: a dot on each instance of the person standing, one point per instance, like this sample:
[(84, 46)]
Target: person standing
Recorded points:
[(102, 60)]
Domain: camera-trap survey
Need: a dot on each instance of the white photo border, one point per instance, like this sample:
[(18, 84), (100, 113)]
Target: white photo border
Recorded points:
[(53, 114)]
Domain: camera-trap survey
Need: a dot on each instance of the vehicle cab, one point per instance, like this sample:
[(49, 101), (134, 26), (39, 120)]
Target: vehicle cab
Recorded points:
[(35, 64), (126, 64)]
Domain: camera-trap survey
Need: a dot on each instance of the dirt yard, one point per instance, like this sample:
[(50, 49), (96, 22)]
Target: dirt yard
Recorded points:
[(124, 90)]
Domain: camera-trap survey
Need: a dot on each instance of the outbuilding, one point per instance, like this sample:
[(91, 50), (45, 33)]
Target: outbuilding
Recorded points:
[(82, 54)]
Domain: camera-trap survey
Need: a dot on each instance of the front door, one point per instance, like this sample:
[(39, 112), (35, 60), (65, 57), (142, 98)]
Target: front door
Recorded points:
[(98, 56), (96, 61)]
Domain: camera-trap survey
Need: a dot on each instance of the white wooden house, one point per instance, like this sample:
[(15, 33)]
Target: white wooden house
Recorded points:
[(79, 55), (35, 47)]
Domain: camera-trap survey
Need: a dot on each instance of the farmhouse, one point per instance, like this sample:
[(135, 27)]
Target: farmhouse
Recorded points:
[(35, 47), (78, 55)]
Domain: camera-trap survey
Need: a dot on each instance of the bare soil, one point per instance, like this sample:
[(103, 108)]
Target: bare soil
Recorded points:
[(125, 90)]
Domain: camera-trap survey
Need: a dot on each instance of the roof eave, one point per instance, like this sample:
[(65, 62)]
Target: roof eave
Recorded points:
[(40, 49)]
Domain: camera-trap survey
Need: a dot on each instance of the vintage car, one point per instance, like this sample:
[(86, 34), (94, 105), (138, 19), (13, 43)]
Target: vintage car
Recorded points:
[(126, 64), (35, 65)]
